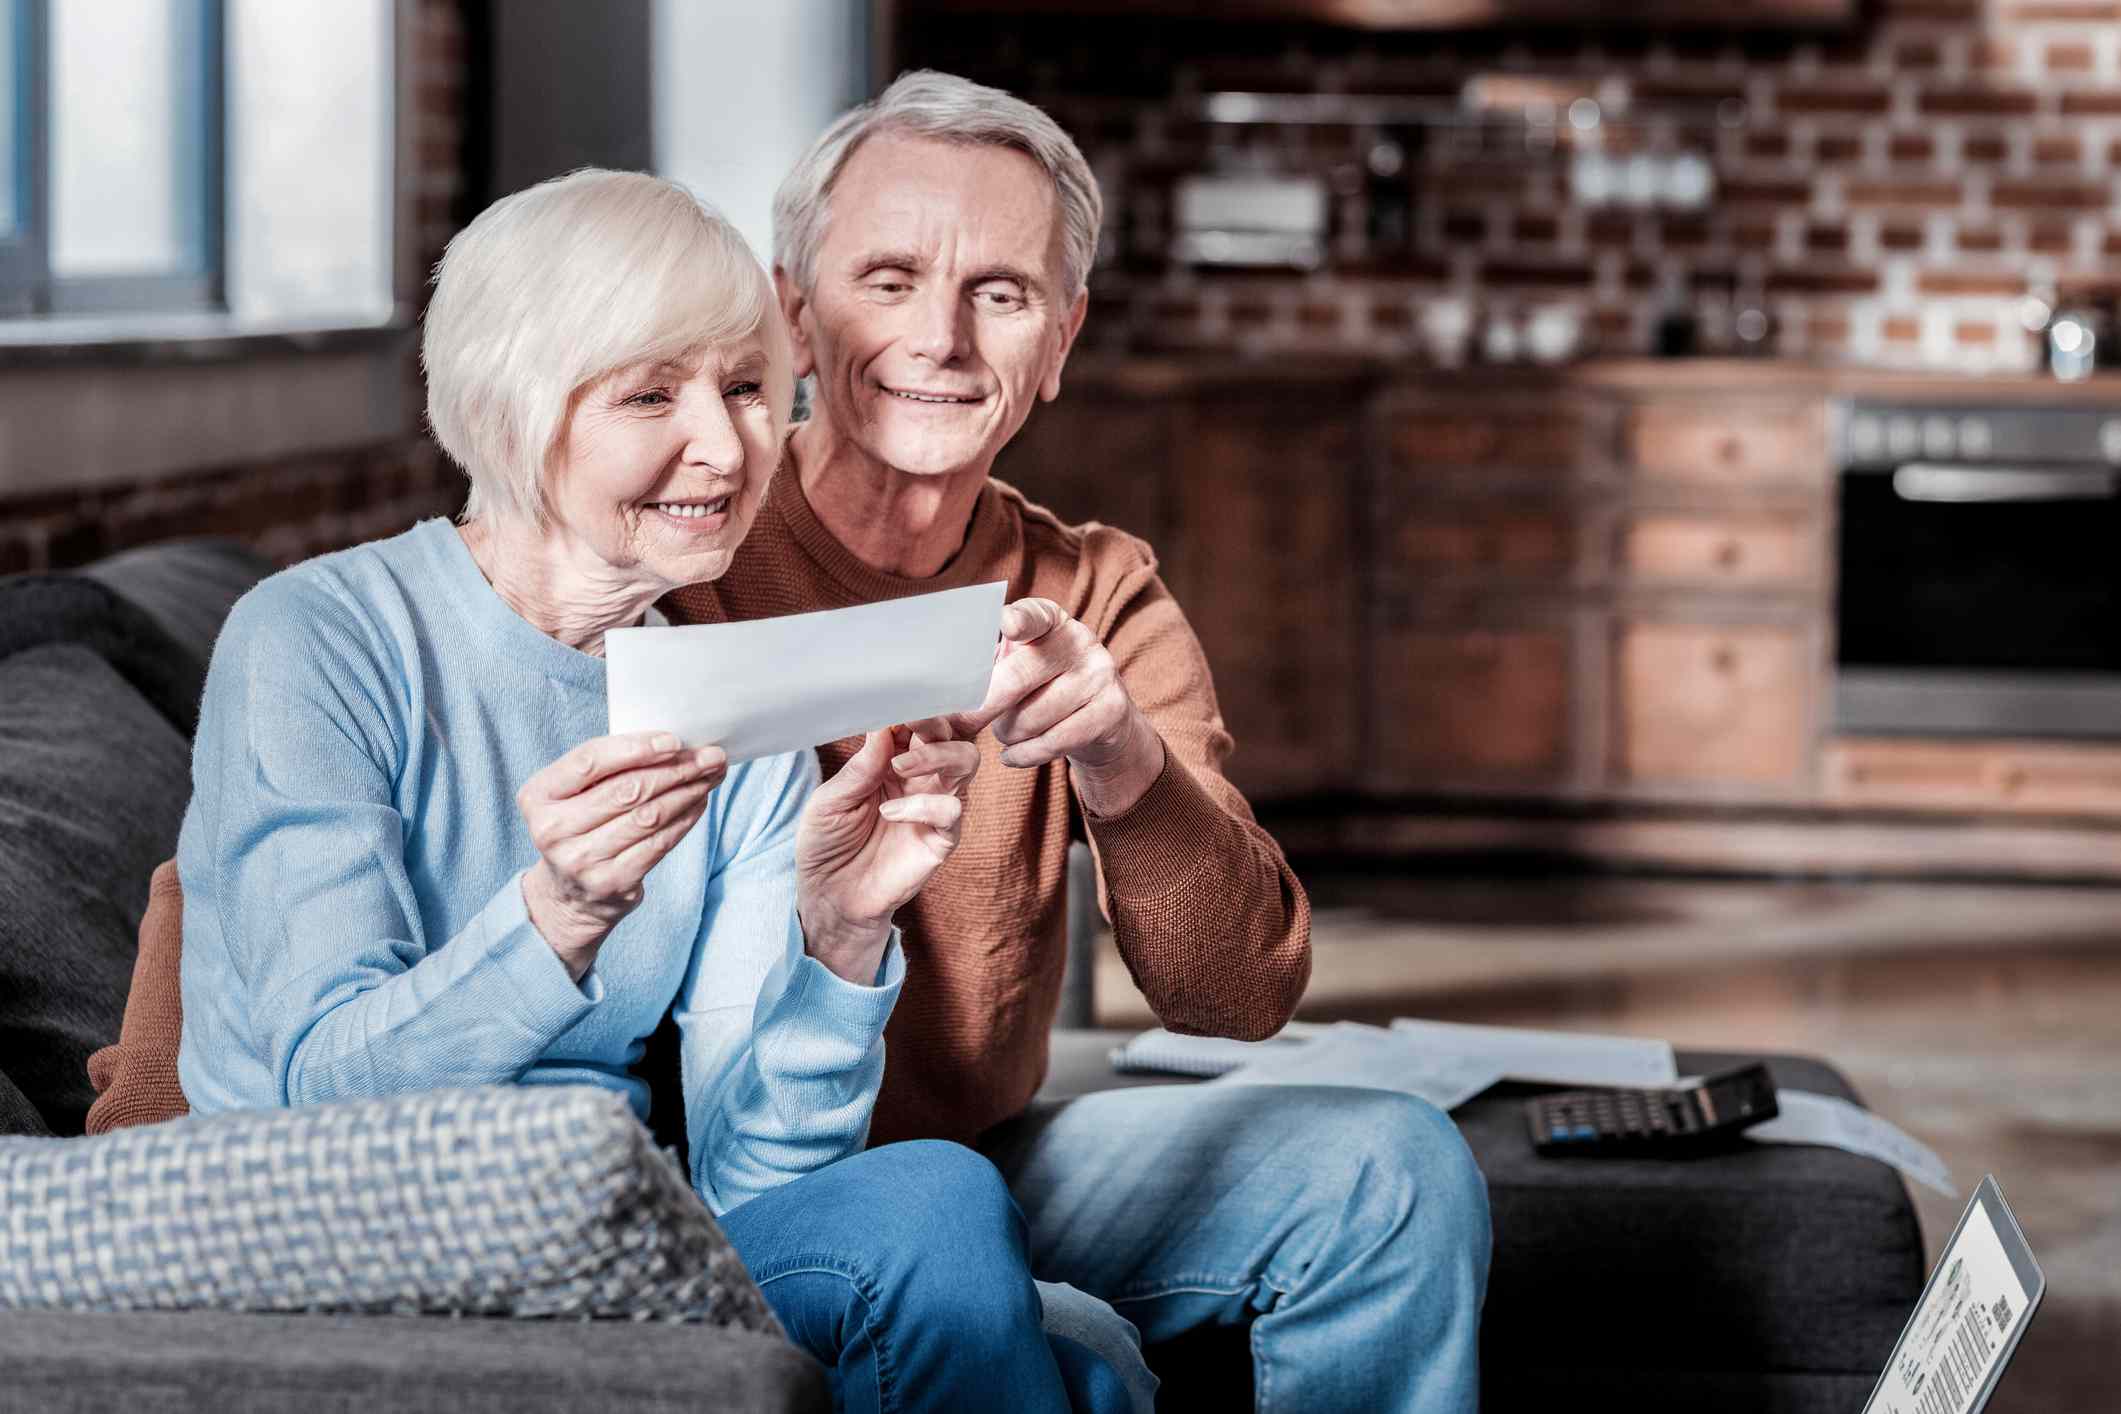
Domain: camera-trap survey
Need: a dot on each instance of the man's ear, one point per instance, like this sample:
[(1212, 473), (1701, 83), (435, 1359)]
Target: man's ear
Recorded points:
[(794, 305), (1049, 386)]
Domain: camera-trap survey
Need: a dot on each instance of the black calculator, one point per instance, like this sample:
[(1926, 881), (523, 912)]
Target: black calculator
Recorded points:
[(1678, 1120)]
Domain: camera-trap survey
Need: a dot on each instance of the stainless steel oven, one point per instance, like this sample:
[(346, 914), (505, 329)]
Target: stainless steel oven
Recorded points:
[(1980, 570)]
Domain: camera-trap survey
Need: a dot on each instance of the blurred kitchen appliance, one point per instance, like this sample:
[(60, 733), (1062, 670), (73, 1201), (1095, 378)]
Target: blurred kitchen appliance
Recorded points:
[(1249, 219), (1980, 569)]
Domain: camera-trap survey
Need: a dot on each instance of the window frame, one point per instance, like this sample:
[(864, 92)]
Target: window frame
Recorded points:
[(28, 288)]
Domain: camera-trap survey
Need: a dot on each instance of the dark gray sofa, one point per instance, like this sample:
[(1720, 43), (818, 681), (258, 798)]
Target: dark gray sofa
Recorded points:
[(1767, 1279)]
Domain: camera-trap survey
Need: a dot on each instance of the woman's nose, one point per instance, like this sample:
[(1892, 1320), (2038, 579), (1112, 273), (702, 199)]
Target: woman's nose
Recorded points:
[(711, 437)]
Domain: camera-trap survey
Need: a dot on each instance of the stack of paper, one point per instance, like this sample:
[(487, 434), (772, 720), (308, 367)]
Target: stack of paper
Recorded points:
[(1555, 1057), (1447, 1064)]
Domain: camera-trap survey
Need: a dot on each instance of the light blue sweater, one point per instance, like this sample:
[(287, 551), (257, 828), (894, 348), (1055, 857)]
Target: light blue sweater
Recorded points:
[(353, 911)]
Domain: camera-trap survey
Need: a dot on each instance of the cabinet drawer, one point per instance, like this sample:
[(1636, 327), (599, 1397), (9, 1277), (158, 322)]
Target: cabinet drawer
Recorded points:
[(1457, 706), (1708, 444), (1535, 438), (1701, 550), (1434, 542), (2031, 777), (1708, 704)]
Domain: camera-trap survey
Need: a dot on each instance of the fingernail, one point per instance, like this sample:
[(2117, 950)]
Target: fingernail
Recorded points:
[(892, 810), (902, 762), (708, 757), (664, 741)]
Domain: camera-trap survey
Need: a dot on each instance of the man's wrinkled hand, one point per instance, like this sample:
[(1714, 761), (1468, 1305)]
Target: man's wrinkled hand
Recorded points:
[(1056, 693)]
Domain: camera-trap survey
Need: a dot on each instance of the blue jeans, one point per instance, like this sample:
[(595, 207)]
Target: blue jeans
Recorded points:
[(904, 1271), (1351, 1225)]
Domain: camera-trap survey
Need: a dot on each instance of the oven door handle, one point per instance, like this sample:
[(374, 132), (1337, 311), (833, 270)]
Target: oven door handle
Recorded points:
[(1938, 482)]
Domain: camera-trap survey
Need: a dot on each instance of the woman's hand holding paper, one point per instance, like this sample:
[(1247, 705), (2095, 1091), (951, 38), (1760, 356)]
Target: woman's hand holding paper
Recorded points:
[(871, 837)]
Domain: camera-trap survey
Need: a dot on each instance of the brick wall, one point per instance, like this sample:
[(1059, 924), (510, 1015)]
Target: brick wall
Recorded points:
[(1883, 195), (295, 509)]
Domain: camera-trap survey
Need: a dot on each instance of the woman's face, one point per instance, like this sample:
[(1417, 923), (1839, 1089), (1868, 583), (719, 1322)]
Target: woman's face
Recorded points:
[(661, 467)]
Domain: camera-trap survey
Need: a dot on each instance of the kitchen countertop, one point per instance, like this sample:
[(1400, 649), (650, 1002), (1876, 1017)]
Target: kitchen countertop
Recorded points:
[(1162, 375)]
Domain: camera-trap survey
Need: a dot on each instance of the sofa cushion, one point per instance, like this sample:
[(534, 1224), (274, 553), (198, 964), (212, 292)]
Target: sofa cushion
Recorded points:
[(244, 1363), (93, 784), (17, 1114), (187, 587), (503, 1200)]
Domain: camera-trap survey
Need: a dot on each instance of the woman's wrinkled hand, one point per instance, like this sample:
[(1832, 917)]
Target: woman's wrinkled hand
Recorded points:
[(871, 837), (602, 816)]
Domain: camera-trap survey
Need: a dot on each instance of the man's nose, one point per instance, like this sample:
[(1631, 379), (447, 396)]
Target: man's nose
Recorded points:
[(711, 438), (942, 330)]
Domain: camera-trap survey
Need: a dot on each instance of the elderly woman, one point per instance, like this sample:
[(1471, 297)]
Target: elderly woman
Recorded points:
[(414, 859)]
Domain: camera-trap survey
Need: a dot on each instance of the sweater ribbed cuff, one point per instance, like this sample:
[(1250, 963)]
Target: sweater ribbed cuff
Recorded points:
[(855, 1012), (1157, 842), (543, 997)]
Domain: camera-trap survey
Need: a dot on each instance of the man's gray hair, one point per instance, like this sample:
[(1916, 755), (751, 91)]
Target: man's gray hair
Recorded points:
[(946, 108)]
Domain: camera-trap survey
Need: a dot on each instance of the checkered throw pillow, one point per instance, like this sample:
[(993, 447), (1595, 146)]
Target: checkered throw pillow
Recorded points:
[(507, 1200)]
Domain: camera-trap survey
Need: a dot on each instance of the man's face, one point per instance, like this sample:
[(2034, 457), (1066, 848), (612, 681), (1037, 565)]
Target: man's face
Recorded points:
[(937, 315)]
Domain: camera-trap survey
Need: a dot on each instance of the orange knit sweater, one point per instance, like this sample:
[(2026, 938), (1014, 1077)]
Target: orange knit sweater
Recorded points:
[(1211, 922)]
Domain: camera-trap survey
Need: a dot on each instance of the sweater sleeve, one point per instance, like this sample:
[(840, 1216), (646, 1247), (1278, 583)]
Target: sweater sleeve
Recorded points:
[(782, 1059), (302, 851), (1207, 914)]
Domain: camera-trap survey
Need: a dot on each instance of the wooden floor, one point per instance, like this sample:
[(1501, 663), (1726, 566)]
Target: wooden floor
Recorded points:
[(1984, 1019)]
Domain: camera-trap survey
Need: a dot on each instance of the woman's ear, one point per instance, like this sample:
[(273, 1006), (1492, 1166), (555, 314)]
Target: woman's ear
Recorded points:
[(795, 305)]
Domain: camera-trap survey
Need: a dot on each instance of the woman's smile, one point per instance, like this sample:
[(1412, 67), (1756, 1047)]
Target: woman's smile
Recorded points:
[(694, 517)]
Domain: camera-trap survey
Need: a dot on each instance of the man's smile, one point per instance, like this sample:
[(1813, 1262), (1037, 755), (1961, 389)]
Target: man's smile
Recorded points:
[(920, 395)]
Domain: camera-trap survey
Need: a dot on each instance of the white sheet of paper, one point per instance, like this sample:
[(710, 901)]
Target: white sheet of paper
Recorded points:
[(1368, 1058), (1552, 1057), (1169, 1053), (772, 685), (1806, 1118)]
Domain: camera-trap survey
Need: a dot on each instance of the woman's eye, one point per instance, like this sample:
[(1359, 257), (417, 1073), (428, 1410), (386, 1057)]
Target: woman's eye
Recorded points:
[(652, 398), (742, 390)]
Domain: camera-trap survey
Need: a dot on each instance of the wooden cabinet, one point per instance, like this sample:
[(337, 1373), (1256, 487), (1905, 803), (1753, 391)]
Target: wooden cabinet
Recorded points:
[(1713, 704), (1721, 552), (1106, 463), (1719, 444), (1553, 439), (1423, 543), (1472, 708), (1441, 597), (1259, 556), (1975, 776)]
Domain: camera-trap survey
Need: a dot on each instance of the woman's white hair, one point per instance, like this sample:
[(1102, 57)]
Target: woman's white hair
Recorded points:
[(555, 287), (944, 107)]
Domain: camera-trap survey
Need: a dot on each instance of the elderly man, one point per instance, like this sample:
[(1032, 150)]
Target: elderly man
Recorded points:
[(931, 253), (931, 256)]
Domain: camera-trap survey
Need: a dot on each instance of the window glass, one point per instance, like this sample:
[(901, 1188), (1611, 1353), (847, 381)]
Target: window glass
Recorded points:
[(125, 138), (309, 131), (10, 121)]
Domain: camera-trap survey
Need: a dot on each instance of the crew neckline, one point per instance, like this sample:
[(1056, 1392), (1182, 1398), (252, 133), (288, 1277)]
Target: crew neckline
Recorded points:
[(504, 630), (976, 561)]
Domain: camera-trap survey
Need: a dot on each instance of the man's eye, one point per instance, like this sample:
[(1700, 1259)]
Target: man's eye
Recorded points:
[(741, 390), (1001, 299)]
